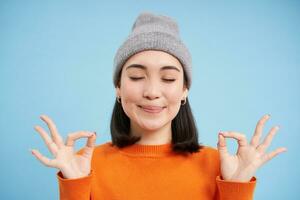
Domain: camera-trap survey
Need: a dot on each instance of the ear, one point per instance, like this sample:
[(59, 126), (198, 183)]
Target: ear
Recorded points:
[(118, 92), (185, 93)]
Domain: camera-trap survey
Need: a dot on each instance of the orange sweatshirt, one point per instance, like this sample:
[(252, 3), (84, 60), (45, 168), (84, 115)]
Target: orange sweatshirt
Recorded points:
[(153, 172)]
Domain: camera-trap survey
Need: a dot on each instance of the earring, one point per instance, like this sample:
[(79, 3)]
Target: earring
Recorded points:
[(183, 102), (119, 99)]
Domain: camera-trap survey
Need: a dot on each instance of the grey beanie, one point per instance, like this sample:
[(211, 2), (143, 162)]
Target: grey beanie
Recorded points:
[(153, 32)]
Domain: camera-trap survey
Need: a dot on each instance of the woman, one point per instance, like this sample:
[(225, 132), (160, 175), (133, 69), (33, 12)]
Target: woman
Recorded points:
[(154, 153)]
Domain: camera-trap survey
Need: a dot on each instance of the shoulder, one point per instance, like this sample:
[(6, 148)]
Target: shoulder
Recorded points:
[(208, 159), (208, 154), (105, 148), (104, 152), (207, 150)]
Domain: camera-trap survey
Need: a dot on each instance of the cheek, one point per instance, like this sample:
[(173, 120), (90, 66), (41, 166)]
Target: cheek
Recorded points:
[(173, 95), (130, 93)]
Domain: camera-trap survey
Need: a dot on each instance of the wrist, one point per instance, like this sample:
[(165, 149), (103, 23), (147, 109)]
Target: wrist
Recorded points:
[(70, 173), (239, 178)]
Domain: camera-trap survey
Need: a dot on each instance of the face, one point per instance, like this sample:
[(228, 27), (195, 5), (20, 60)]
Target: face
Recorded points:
[(151, 89)]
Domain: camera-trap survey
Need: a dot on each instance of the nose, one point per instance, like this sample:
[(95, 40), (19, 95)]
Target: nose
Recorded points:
[(152, 90)]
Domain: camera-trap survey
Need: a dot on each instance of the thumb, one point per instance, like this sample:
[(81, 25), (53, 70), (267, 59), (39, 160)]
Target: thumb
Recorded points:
[(222, 148), (91, 140), (87, 151)]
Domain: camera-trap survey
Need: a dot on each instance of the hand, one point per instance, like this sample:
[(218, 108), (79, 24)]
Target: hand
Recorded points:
[(71, 164), (249, 157)]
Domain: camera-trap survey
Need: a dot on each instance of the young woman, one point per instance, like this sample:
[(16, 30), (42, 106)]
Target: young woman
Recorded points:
[(154, 152)]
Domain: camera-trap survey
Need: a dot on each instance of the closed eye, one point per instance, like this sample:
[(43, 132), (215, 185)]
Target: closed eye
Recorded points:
[(136, 78), (169, 80), (139, 78)]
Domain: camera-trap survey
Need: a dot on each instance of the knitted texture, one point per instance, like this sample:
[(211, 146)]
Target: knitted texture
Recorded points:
[(153, 32), (150, 172)]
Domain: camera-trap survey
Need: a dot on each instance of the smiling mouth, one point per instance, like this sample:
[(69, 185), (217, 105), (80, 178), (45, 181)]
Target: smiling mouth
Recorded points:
[(152, 109)]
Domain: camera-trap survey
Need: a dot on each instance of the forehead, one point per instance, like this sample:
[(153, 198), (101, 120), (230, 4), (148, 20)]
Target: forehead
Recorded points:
[(153, 60), (145, 68)]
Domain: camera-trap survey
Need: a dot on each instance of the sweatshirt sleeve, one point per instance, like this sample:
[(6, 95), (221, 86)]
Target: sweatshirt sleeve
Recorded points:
[(235, 190), (75, 189)]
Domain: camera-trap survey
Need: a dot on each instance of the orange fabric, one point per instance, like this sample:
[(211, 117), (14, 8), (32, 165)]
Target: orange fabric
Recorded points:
[(142, 172)]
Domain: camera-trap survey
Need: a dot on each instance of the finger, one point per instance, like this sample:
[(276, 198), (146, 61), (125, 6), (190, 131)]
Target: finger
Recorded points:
[(267, 141), (241, 138), (87, 151), (48, 141), (91, 140), (258, 130), (222, 147), (272, 154), (44, 160), (53, 130), (72, 137)]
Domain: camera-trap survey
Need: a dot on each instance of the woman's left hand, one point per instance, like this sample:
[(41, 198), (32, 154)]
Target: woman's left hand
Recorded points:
[(249, 157)]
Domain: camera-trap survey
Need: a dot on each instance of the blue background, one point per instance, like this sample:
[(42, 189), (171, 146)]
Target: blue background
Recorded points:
[(56, 59)]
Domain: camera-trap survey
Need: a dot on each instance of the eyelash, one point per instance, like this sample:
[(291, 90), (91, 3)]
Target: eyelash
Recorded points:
[(139, 78)]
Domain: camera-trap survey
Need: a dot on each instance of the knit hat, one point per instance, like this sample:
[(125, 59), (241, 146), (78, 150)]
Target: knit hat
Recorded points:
[(153, 32)]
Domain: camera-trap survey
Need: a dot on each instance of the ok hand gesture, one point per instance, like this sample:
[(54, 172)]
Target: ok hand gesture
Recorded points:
[(249, 157), (71, 164)]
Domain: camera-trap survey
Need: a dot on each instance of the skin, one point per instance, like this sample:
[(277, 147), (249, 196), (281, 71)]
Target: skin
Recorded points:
[(242, 166), (154, 87), (66, 160)]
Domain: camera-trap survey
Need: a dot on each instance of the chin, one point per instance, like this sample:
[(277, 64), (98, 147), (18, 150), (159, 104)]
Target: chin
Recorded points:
[(152, 126)]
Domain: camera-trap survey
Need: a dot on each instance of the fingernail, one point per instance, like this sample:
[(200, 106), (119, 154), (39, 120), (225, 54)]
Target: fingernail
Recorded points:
[(269, 115)]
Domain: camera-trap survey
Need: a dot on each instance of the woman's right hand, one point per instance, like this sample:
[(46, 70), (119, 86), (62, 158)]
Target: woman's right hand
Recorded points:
[(71, 164)]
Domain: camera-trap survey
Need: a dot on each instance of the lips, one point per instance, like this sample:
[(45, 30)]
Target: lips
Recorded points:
[(152, 109)]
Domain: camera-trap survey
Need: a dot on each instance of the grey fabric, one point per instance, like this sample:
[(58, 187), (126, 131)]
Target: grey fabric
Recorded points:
[(153, 32)]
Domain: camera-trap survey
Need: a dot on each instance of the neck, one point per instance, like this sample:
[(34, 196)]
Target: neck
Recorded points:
[(152, 137)]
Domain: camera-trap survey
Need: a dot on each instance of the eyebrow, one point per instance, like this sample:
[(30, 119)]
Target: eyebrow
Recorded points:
[(144, 67)]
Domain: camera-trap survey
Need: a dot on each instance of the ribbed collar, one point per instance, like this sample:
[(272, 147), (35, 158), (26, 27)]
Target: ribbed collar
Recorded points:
[(160, 150)]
